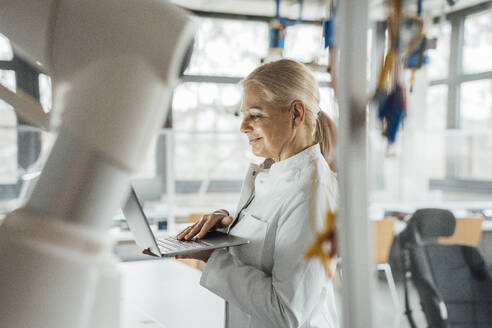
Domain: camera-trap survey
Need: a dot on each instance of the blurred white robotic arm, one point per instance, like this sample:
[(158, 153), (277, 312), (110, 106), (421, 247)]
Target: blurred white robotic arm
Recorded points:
[(92, 50), (113, 65)]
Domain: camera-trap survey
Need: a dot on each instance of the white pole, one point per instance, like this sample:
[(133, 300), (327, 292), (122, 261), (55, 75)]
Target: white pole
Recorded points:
[(353, 225)]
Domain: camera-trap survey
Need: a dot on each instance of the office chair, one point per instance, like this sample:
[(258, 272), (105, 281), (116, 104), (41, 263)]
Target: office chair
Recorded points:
[(452, 281)]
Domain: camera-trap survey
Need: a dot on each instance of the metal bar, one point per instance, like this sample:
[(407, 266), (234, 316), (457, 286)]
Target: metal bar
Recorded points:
[(256, 18), (462, 185), (474, 77), (211, 79), (353, 225), (232, 132), (470, 10), (438, 82), (466, 11), (227, 79)]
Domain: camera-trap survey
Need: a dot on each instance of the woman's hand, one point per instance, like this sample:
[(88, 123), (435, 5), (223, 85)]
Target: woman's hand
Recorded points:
[(201, 255), (217, 219)]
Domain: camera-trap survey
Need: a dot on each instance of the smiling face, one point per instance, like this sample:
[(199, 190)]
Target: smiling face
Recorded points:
[(270, 130)]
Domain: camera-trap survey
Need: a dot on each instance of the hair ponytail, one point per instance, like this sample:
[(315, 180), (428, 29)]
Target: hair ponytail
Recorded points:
[(326, 137)]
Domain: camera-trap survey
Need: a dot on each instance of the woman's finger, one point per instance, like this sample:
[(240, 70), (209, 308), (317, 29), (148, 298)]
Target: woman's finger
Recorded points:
[(196, 228), (206, 228), (226, 220), (184, 232)]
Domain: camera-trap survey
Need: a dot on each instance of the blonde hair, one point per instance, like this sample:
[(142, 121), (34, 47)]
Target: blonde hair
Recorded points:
[(283, 81)]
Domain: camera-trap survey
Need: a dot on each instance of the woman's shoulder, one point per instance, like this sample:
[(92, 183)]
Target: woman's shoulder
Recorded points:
[(311, 195), (313, 179), (316, 173), (318, 181)]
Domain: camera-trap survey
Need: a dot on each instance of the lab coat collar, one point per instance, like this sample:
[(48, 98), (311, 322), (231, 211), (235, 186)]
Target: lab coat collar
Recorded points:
[(297, 161), (274, 171), (281, 174)]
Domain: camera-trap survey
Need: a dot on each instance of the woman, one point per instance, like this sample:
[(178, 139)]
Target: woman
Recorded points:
[(269, 283)]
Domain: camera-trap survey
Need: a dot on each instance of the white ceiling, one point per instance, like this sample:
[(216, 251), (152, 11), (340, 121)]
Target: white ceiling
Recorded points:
[(313, 9)]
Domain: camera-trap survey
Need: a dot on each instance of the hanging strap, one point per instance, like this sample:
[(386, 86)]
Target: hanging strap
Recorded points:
[(407, 275), (285, 22)]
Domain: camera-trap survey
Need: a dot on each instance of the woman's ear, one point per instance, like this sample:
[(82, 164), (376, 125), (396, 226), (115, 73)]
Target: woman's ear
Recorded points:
[(298, 110)]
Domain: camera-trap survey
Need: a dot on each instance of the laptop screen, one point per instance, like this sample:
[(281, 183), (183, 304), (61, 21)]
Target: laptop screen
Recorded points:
[(137, 221)]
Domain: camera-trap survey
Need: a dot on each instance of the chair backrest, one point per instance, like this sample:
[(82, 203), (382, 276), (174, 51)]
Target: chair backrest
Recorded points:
[(428, 224), (468, 232), (383, 235), (451, 280)]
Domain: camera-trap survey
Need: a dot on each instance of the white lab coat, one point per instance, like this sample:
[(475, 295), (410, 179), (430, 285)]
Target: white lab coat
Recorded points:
[(269, 283)]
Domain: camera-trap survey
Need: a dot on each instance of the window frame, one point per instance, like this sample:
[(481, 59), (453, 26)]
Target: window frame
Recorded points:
[(456, 77), (29, 146)]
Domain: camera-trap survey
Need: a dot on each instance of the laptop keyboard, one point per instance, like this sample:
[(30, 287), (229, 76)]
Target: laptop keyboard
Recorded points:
[(171, 244)]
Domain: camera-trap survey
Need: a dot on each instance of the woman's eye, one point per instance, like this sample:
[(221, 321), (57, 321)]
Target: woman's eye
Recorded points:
[(255, 117)]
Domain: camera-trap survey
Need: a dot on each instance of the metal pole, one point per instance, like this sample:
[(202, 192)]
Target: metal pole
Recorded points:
[(353, 227)]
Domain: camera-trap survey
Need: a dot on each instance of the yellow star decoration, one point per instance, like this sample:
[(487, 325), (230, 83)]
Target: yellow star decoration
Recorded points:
[(324, 244)]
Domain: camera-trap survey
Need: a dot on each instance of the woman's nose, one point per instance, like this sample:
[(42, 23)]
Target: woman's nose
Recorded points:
[(245, 127)]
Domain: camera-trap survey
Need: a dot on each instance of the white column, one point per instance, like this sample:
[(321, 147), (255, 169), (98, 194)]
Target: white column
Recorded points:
[(353, 225)]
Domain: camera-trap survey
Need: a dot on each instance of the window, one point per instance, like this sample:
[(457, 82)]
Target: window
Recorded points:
[(45, 94), (476, 105), (8, 144), (206, 122), (7, 74), (228, 47), (8, 122), (23, 148), (476, 116), (7, 79), (439, 57), (6, 52), (436, 108), (206, 107), (328, 104), (435, 139), (302, 43), (477, 45), (461, 84)]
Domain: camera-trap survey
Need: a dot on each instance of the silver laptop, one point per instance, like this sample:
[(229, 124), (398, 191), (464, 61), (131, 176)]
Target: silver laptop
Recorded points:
[(171, 246)]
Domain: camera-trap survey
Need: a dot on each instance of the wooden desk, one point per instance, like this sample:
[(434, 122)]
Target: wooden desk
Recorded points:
[(166, 294)]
